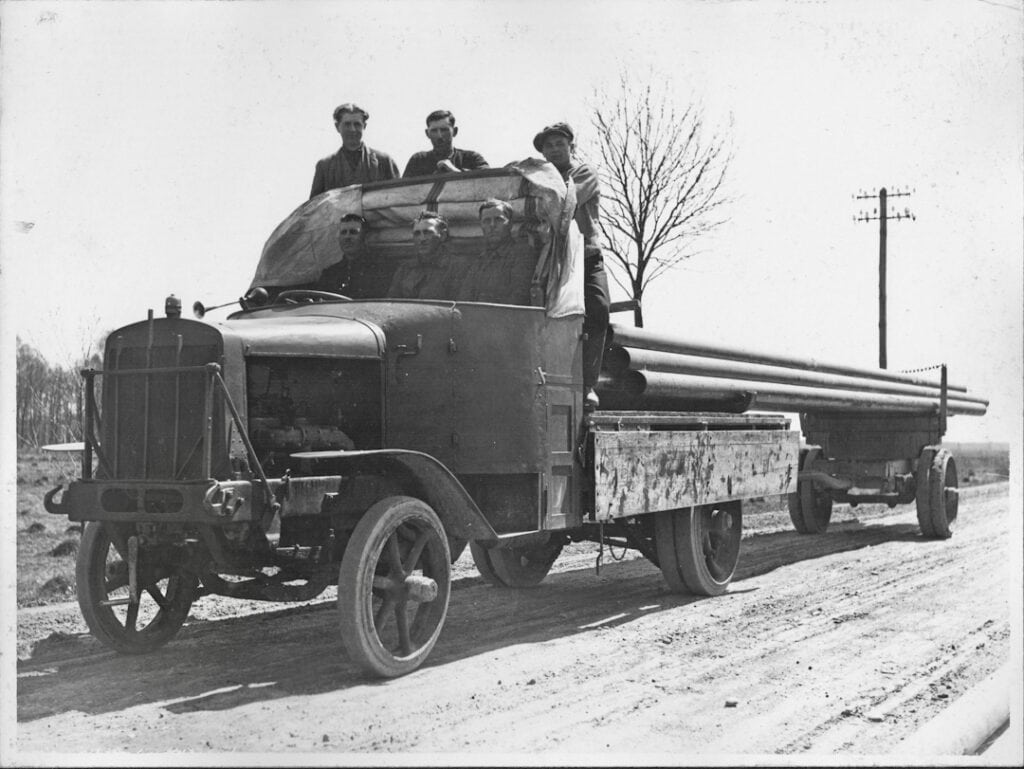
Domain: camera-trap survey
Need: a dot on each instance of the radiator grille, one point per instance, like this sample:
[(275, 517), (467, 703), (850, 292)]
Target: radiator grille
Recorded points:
[(152, 424)]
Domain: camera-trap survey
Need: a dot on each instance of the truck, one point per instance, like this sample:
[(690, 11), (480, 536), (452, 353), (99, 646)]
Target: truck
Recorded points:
[(312, 438)]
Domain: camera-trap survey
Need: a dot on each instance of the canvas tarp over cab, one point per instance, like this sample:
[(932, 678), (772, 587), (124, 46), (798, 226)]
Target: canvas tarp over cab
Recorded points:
[(306, 242)]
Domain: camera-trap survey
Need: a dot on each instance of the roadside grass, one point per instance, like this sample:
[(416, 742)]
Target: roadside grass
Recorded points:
[(45, 577), (48, 544)]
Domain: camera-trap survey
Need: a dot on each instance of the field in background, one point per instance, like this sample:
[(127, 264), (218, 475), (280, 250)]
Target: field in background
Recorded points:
[(981, 462), (48, 544)]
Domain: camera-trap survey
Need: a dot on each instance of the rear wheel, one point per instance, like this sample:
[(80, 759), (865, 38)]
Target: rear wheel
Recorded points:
[(517, 566), (810, 507), (699, 547), (938, 499), (131, 625), (393, 587)]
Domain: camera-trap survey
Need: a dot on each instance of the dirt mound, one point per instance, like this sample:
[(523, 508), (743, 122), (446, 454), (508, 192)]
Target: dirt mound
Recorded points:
[(67, 547), (57, 587)]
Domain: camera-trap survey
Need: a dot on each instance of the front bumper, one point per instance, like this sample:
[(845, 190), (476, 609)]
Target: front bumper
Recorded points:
[(201, 501)]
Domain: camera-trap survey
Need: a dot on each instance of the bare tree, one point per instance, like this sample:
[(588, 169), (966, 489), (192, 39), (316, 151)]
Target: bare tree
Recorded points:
[(48, 398), (662, 183)]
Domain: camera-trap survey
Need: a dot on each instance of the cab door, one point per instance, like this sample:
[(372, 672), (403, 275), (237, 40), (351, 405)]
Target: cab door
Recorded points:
[(560, 383)]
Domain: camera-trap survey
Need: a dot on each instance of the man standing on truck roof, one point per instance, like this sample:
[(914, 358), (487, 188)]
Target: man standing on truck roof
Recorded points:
[(354, 163), (556, 144), (430, 274), (443, 158), (502, 273)]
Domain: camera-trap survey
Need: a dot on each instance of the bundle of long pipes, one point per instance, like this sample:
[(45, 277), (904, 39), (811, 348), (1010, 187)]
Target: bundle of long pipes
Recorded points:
[(650, 370)]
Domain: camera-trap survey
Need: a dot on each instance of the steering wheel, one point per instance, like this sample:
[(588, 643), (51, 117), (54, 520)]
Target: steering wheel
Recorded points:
[(296, 295)]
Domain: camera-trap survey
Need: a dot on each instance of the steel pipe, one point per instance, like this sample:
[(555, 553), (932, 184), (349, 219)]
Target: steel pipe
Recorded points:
[(627, 336), (620, 359), (657, 387)]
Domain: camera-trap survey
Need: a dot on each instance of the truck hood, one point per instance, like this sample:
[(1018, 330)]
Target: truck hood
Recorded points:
[(306, 336), (357, 329)]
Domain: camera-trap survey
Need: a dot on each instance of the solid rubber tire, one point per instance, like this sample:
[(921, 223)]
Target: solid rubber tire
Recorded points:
[(91, 576), (679, 537), (363, 555), (810, 509), (922, 498), (943, 505)]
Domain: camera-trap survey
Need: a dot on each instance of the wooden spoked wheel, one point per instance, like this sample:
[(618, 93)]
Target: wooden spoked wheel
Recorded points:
[(126, 623), (393, 587)]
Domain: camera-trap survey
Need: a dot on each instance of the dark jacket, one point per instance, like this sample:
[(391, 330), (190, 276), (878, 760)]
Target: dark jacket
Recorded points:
[(425, 163), (336, 171)]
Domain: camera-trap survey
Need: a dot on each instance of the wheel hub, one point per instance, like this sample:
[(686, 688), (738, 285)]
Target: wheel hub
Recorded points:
[(412, 587), (420, 589)]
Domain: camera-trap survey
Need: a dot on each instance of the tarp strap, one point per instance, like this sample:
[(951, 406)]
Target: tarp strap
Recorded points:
[(434, 195)]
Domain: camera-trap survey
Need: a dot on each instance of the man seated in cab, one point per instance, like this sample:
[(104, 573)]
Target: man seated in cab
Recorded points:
[(443, 158), (354, 163), (556, 143), (502, 273), (352, 275), (430, 275)]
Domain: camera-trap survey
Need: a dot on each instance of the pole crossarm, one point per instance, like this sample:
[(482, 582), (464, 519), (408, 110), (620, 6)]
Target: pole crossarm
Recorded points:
[(885, 213)]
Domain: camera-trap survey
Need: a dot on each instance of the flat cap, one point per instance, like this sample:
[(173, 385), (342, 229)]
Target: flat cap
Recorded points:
[(561, 129)]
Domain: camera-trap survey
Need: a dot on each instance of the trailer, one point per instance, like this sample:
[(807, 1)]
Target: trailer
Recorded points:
[(312, 438)]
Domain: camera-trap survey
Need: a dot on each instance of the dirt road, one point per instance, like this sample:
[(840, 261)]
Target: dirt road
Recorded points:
[(835, 644)]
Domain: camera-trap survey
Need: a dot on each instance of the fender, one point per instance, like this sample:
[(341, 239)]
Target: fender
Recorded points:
[(439, 487)]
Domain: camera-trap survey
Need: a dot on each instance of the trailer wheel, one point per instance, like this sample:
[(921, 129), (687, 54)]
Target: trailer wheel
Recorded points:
[(699, 547), (516, 566), (938, 497), (103, 594), (810, 507), (393, 587)]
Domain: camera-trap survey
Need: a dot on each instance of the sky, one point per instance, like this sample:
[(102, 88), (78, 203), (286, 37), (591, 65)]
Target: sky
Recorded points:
[(151, 148)]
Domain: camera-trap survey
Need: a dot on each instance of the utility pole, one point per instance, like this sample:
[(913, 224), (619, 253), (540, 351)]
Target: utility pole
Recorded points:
[(882, 214)]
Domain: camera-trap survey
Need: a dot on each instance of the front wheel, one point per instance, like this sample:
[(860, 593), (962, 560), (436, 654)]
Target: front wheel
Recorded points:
[(699, 547), (131, 625), (393, 587)]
